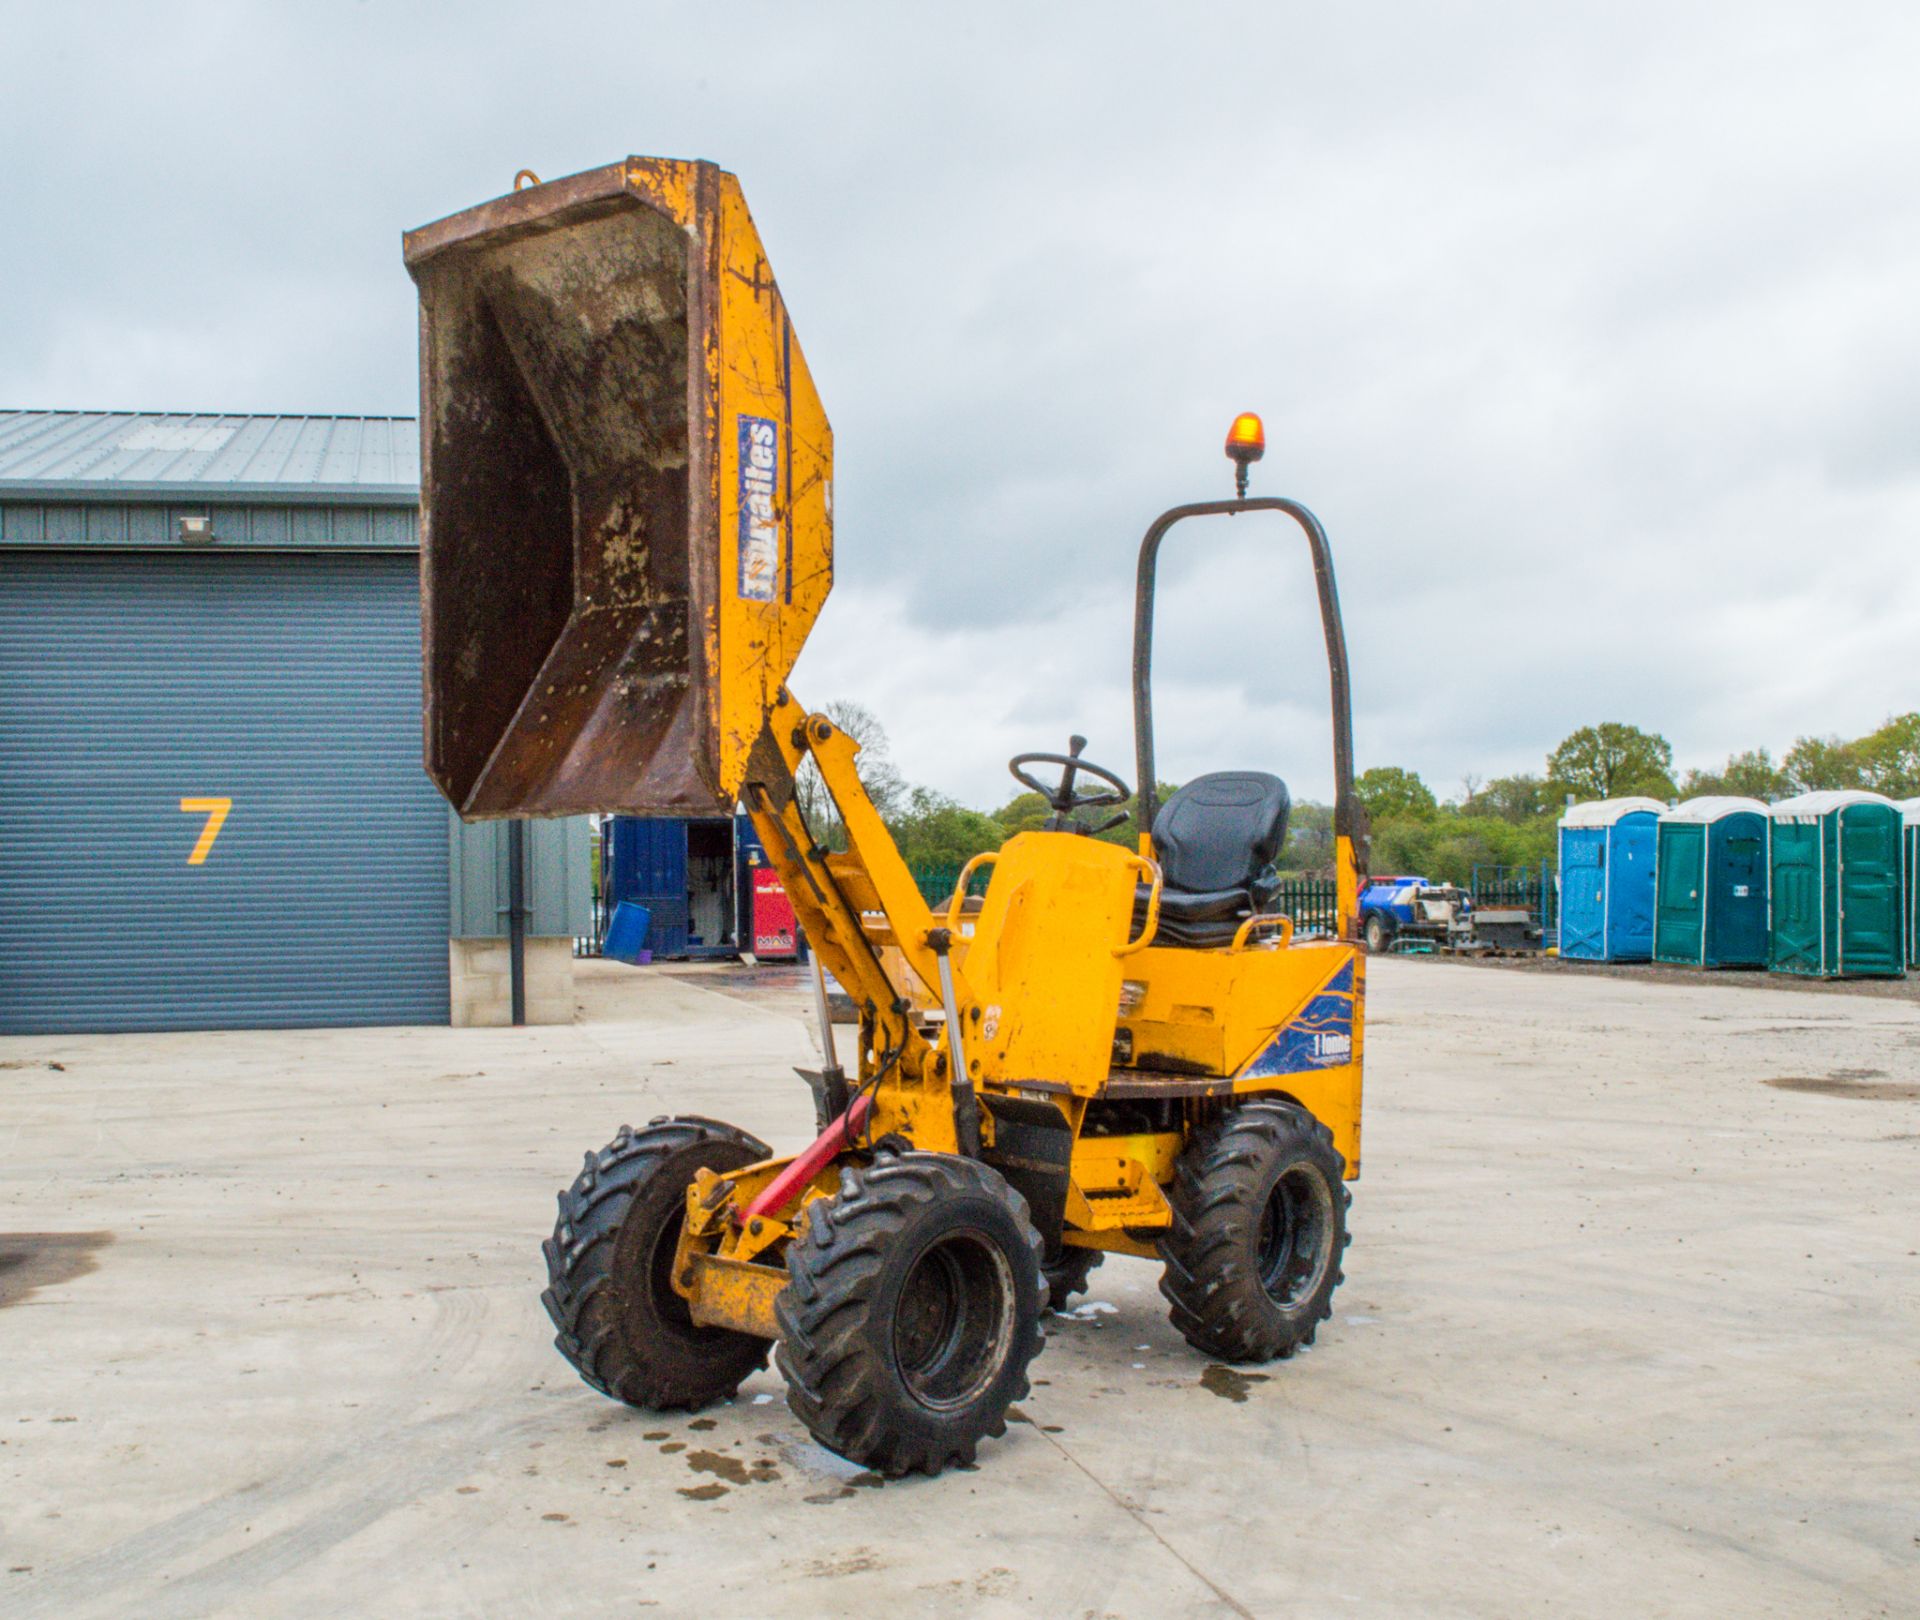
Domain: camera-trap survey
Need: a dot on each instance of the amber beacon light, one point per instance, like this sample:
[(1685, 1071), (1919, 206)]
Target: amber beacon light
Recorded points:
[(1246, 444)]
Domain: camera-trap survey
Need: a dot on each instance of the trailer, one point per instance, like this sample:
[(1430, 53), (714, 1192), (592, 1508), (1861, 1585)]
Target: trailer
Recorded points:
[(1409, 913)]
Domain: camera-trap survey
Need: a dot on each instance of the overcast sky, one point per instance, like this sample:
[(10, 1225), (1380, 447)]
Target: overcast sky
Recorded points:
[(1594, 341)]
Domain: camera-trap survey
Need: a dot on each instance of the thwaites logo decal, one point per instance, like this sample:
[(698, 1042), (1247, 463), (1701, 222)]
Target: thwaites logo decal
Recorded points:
[(1320, 1038), (759, 505)]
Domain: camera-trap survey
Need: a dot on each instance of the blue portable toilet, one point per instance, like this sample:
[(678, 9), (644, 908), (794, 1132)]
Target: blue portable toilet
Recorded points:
[(1710, 883), (1606, 879)]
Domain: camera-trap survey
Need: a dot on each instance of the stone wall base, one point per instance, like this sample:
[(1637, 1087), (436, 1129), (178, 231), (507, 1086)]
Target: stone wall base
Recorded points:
[(483, 992)]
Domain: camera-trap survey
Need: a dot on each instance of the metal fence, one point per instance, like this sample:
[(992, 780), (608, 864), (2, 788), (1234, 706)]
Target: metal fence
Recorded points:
[(589, 944), (1310, 902), (1531, 886)]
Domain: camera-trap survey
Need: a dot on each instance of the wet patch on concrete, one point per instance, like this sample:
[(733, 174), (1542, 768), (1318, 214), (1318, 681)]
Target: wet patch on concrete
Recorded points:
[(734, 1470), (1228, 1383), (35, 1260), (1871, 1085)]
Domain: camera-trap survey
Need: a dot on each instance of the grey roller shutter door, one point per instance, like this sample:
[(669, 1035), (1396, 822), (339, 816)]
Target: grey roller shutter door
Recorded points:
[(288, 684)]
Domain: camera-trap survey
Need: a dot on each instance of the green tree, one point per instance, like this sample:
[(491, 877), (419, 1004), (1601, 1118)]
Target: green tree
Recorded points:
[(932, 830), (1308, 851), (1813, 763), (1388, 791), (1611, 760), (878, 774), (1890, 757), (1751, 775), (1509, 798)]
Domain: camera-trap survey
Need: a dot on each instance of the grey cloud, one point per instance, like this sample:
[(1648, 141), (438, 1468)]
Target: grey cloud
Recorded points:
[(1590, 333)]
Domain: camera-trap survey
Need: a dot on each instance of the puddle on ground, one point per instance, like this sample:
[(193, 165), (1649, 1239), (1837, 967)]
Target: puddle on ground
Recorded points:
[(703, 1424), (1870, 1085), (703, 1493), (1228, 1384), (735, 1470), (31, 1260)]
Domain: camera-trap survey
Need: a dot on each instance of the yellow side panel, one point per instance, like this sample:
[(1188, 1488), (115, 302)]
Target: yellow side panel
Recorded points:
[(775, 491), (1041, 960), (1221, 1012), (1216, 1009)]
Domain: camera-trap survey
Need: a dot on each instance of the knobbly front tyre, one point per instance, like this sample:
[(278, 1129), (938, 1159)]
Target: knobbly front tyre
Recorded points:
[(1259, 1229), (610, 1290), (911, 1312)]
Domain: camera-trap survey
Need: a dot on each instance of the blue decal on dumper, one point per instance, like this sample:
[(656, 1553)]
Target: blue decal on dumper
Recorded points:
[(759, 508), (1321, 1037)]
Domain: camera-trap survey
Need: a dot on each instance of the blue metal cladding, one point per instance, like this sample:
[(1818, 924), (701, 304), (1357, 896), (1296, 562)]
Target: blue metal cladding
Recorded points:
[(1606, 889), (287, 684)]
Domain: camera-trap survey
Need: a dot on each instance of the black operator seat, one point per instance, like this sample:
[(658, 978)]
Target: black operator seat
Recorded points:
[(1216, 841)]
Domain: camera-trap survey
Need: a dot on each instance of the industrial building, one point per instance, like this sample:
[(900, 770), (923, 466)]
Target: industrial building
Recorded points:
[(212, 807)]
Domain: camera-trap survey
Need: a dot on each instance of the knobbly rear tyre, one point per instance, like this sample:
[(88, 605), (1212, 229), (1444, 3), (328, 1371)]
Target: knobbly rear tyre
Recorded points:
[(1259, 1230), (610, 1293), (911, 1312)]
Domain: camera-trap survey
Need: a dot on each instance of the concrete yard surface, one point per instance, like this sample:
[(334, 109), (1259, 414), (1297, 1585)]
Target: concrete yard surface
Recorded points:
[(1631, 1326)]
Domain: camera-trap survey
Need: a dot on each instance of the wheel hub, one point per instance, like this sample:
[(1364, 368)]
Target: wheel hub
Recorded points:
[(952, 1328), (1296, 1231)]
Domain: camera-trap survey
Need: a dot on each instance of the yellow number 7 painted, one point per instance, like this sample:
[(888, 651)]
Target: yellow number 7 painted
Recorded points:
[(215, 810)]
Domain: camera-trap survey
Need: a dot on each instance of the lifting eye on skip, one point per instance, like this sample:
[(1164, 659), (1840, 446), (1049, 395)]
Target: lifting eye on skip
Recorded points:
[(1125, 1045)]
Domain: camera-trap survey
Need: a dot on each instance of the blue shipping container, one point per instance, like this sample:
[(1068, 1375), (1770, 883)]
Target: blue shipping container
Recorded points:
[(682, 870)]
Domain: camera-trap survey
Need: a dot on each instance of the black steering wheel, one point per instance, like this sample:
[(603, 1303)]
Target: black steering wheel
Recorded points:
[(1064, 800)]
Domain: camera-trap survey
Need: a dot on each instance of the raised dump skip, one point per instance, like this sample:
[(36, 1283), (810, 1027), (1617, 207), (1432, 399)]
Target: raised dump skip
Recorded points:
[(1710, 885), (1606, 880), (1834, 860), (626, 489)]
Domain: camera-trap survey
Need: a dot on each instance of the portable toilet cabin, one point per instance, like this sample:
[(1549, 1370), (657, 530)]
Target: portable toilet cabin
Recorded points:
[(1606, 880), (1710, 883), (1834, 878), (1910, 879)]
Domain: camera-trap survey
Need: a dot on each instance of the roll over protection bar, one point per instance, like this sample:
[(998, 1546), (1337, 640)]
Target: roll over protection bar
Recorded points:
[(1349, 816)]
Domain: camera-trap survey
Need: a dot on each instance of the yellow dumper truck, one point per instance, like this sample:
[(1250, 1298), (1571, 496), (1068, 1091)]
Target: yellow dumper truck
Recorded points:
[(627, 535)]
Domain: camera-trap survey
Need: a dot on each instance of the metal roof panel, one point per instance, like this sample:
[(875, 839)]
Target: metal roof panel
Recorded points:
[(144, 455)]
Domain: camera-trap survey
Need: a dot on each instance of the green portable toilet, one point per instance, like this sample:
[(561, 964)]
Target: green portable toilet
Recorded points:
[(1910, 878), (1710, 883), (1834, 869)]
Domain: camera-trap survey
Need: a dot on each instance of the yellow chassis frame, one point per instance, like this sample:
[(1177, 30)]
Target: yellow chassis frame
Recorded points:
[(857, 903)]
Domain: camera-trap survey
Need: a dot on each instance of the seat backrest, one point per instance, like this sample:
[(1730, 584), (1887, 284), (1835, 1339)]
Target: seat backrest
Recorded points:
[(1221, 831)]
